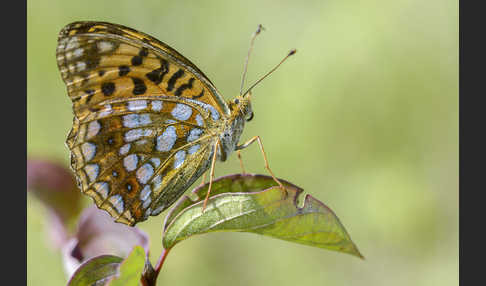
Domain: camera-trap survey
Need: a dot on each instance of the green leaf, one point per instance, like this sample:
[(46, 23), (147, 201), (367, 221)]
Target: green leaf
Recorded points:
[(255, 203), (131, 269), (111, 270), (95, 271)]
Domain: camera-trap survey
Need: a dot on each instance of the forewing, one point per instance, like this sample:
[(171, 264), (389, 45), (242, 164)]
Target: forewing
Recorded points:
[(100, 61)]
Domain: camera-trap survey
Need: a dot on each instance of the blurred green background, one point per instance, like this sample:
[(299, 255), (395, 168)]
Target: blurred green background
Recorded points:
[(364, 117)]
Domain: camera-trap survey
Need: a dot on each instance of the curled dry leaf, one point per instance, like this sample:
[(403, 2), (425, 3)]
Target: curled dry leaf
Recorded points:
[(54, 185), (97, 234)]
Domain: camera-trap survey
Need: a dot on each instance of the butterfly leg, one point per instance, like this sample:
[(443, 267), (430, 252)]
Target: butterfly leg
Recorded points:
[(203, 181), (211, 173), (238, 152), (248, 143)]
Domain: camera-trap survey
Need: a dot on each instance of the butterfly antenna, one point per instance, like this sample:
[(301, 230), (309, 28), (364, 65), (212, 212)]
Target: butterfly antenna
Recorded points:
[(270, 72), (253, 37)]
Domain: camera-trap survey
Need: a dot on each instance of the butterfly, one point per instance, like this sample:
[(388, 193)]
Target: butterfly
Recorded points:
[(147, 122)]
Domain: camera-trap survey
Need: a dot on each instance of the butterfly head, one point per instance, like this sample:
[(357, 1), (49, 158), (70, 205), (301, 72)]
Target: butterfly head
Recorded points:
[(240, 107)]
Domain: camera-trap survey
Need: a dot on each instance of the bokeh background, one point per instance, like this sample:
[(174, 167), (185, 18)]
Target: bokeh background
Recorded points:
[(364, 118)]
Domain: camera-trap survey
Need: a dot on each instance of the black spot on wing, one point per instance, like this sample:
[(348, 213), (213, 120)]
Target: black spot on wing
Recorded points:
[(143, 52), (137, 60), (108, 88), (178, 74), (139, 86), (183, 87), (157, 75), (90, 94), (123, 70), (199, 95)]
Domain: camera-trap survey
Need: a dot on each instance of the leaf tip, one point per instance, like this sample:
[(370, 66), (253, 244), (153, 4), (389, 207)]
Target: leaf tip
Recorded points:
[(358, 254)]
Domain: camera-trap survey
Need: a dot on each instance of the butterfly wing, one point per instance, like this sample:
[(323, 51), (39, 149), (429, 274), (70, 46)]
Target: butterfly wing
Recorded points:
[(100, 60), (142, 113)]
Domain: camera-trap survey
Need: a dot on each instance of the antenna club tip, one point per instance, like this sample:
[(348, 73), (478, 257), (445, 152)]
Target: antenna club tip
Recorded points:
[(259, 29), (292, 52)]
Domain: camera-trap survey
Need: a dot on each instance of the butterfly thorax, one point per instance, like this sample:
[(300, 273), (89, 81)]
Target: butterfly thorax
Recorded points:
[(240, 109)]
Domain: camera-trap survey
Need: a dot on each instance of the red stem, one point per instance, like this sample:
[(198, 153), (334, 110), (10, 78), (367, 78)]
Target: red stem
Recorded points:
[(160, 262)]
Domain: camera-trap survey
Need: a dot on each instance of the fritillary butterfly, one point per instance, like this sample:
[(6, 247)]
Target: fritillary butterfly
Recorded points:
[(147, 122)]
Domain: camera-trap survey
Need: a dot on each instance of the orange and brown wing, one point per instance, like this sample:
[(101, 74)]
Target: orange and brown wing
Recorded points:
[(100, 61), (137, 157), (142, 116)]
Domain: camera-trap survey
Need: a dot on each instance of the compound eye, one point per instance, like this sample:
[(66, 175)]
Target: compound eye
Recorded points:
[(237, 101), (250, 117)]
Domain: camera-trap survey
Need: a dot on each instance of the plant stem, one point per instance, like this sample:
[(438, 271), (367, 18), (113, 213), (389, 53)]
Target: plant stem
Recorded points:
[(144, 281), (149, 278), (161, 260)]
